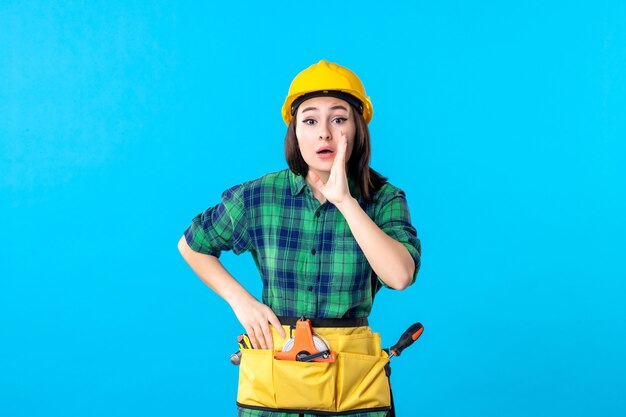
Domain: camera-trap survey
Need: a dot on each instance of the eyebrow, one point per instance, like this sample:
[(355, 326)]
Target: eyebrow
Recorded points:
[(337, 107)]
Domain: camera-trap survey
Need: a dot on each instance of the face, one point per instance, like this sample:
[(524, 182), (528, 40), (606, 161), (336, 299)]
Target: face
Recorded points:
[(320, 123)]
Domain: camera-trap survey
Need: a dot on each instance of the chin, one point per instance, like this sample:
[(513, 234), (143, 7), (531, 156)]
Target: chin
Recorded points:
[(324, 171)]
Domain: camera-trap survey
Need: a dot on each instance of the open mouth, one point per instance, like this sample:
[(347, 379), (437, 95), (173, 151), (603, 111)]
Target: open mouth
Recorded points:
[(326, 150)]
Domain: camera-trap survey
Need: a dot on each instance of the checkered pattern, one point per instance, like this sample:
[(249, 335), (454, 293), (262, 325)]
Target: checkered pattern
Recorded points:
[(308, 259), (244, 412)]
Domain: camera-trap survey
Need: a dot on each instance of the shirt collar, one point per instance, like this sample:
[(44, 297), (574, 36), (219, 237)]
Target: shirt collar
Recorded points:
[(297, 183)]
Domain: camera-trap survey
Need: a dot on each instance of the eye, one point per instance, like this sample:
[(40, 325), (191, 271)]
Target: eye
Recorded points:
[(339, 120), (309, 121)]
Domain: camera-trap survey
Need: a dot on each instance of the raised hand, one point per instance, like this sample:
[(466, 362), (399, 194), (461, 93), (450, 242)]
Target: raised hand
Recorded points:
[(336, 189)]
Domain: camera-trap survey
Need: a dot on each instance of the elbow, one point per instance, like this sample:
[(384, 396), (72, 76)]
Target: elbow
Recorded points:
[(402, 281), (404, 272), (402, 284), (183, 247)]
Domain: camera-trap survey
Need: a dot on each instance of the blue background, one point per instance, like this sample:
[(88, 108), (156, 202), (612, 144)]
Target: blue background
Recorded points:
[(504, 123)]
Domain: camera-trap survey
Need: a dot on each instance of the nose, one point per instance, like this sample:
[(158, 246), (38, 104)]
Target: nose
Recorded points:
[(324, 131)]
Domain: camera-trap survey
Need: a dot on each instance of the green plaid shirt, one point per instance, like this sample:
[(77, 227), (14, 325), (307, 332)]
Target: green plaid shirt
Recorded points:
[(309, 262)]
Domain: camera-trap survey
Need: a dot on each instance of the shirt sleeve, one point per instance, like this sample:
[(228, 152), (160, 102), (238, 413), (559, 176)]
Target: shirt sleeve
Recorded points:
[(394, 219), (222, 227)]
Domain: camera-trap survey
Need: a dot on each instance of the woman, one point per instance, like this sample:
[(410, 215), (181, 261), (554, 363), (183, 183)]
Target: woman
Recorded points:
[(326, 235)]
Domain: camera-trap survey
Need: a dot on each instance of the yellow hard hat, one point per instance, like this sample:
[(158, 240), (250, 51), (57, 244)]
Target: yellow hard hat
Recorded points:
[(326, 78)]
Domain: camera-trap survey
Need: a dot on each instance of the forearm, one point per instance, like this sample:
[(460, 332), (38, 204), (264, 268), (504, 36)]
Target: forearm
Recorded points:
[(252, 314), (213, 274), (389, 259)]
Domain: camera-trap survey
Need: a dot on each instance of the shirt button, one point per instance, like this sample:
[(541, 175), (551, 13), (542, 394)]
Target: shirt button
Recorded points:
[(310, 288), (317, 214), (313, 251)]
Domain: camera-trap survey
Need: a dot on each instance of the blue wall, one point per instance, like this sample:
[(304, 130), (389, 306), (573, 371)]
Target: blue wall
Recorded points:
[(504, 123)]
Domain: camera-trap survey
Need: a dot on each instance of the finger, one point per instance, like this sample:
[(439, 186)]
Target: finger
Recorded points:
[(343, 146), (340, 159), (338, 170), (267, 334), (252, 337), (260, 337), (276, 323)]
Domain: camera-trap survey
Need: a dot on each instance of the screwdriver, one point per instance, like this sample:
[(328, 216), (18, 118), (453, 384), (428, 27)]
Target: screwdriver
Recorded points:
[(235, 358), (408, 337)]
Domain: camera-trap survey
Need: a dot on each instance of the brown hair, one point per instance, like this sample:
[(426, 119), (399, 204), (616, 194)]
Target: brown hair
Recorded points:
[(367, 180)]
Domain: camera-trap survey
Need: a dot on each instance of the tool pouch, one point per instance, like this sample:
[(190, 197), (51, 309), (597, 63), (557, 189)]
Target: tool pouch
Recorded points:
[(356, 381)]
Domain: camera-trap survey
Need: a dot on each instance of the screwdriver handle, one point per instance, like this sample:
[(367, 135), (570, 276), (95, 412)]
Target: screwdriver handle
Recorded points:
[(408, 337)]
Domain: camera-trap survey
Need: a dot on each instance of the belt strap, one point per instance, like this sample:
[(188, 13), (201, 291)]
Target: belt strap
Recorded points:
[(324, 322)]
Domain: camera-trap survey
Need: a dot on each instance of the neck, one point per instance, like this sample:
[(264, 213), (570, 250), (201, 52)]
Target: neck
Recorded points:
[(317, 193), (323, 175)]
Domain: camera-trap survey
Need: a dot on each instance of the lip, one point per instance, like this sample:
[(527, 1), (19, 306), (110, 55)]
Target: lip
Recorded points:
[(324, 148), (327, 155)]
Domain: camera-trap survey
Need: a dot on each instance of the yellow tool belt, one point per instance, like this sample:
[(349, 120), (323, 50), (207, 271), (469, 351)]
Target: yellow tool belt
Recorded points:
[(355, 381)]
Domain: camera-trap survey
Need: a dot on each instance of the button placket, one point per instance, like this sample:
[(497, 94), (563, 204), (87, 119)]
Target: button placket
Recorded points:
[(319, 219), (314, 259)]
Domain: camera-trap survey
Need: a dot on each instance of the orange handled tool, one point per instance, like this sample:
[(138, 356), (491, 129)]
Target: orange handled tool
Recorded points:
[(303, 348), (408, 337)]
